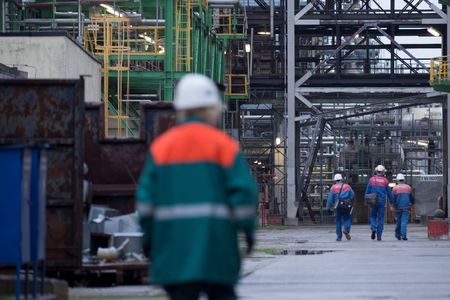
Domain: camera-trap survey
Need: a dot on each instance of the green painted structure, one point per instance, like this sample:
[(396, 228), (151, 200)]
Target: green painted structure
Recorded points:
[(207, 48)]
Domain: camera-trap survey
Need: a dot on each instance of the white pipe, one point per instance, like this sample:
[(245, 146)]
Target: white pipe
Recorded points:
[(3, 15), (272, 8)]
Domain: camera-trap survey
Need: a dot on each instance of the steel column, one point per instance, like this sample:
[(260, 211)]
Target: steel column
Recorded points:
[(447, 145), (290, 101)]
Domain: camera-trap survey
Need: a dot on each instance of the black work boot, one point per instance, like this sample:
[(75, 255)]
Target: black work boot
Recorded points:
[(404, 238), (372, 236), (347, 234)]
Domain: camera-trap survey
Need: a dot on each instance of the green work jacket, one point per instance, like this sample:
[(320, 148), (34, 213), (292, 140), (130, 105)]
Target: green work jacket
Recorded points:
[(194, 195)]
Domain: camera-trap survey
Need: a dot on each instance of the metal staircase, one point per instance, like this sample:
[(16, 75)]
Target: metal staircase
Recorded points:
[(308, 166)]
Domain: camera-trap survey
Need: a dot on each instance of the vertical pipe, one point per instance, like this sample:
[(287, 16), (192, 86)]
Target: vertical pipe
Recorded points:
[(272, 8), (290, 100), (339, 54), (3, 15), (251, 52), (80, 24), (392, 67), (168, 57)]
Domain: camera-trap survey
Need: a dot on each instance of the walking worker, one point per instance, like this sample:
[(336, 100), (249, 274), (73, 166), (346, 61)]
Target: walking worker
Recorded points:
[(378, 187), (404, 199), (341, 196), (195, 194)]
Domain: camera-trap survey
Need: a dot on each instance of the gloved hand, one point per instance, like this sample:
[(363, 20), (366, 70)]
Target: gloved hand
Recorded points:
[(250, 242)]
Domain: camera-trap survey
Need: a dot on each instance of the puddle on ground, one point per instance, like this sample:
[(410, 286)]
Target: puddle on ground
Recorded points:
[(304, 252)]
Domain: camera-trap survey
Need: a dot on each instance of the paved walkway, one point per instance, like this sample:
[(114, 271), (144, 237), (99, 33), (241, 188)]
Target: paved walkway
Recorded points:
[(356, 269)]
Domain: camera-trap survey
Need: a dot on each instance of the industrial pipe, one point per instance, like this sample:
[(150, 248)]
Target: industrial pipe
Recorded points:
[(222, 3)]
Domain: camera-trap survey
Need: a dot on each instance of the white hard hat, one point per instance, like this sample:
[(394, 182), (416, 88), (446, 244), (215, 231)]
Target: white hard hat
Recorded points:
[(400, 176), (337, 177), (380, 168), (196, 91)]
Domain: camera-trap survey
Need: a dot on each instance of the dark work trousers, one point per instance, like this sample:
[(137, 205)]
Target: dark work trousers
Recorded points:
[(192, 291)]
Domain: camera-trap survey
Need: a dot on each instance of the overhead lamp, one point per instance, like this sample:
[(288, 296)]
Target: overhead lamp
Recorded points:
[(277, 141), (357, 36), (259, 163), (255, 162), (263, 33), (248, 48), (433, 31), (112, 10)]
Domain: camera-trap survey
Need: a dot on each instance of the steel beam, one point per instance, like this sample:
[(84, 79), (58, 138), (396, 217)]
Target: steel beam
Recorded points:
[(364, 90), (338, 49), (400, 47)]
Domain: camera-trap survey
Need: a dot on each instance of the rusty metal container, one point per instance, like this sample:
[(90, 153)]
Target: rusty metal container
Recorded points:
[(51, 112), (115, 163)]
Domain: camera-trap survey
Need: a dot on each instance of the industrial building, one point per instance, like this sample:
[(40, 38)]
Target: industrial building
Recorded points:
[(312, 88)]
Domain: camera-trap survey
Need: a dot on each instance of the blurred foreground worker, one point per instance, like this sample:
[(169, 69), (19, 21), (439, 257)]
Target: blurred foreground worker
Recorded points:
[(404, 199), (194, 195), (376, 192), (341, 196)]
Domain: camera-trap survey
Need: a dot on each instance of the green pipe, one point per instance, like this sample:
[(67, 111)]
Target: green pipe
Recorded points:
[(169, 53)]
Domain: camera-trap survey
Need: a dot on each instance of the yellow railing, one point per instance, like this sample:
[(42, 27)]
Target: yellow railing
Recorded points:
[(439, 67), (227, 22), (237, 85), (146, 40), (183, 27), (141, 40), (108, 37)]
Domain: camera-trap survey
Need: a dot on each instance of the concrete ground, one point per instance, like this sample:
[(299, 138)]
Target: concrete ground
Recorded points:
[(356, 269)]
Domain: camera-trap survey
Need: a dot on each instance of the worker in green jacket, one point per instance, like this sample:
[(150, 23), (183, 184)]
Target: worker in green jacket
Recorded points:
[(194, 195)]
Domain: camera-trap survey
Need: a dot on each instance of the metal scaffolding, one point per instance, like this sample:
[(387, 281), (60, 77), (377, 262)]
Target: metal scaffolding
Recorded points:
[(351, 54)]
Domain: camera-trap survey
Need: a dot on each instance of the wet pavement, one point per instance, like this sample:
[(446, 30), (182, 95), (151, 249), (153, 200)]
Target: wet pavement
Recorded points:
[(307, 263)]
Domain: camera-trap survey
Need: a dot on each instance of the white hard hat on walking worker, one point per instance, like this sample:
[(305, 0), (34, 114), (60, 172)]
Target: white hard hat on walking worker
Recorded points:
[(400, 176), (380, 168), (337, 177), (196, 91)]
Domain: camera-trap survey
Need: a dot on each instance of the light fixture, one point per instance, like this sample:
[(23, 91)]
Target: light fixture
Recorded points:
[(277, 141), (255, 162), (259, 163), (357, 36), (263, 33), (248, 48), (111, 10), (433, 31)]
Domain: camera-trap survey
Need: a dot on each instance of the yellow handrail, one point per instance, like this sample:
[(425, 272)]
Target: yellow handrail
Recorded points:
[(237, 84), (439, 68)]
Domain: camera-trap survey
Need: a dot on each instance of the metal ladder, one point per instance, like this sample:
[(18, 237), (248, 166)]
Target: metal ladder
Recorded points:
[(183, 35), (305, 177)]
